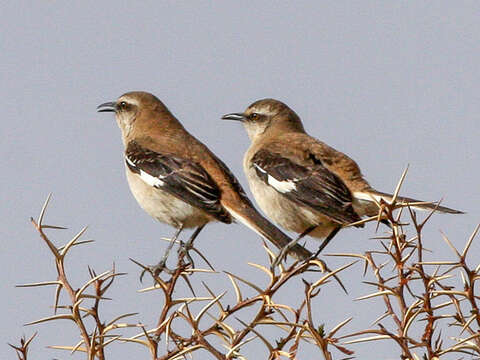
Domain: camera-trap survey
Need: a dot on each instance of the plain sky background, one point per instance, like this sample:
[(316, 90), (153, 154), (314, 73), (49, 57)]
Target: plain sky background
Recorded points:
[(389, 83)]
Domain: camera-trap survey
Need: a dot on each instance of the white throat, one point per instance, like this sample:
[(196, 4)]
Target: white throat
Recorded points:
[(254, 131)]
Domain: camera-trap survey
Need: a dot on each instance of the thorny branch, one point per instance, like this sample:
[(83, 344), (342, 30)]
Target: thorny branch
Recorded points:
[(416, 294), (415, 291)]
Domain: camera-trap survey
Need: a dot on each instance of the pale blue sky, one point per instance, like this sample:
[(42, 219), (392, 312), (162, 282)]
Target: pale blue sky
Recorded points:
[(389, 83)]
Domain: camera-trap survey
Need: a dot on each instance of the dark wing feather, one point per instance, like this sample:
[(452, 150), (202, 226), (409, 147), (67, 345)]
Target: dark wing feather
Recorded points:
[(183, 178), (312, 185)]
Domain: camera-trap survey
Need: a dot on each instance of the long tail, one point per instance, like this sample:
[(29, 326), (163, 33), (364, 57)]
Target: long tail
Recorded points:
[(373, 196), (250, 217)]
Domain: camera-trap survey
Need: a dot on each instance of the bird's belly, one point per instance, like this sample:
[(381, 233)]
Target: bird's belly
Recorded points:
[(165, 207), (287, 213)]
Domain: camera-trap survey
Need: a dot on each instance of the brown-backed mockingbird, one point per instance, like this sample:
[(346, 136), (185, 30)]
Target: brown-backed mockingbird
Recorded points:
[(301, 183)]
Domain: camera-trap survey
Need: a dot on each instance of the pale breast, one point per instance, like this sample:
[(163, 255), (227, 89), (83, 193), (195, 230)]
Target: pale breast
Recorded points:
[(163, 206)]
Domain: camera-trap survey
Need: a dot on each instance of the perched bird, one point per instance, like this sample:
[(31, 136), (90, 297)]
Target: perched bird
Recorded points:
[(301, 183), (178, 180)]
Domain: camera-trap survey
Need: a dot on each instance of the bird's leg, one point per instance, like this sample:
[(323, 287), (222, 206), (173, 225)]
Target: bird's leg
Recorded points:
[(184, 248), (327, 240), (157, 269), (285, 250)]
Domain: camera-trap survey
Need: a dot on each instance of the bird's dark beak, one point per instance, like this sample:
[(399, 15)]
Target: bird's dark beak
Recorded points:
[(234, 116), (108, 106)]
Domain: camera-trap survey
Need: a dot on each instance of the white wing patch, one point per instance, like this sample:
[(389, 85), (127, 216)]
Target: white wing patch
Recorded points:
[(368, 196), (371, 197), (146, 177), (281, 186)]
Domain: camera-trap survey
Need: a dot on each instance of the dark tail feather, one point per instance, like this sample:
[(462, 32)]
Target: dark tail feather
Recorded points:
[(252, 218), (416, 204)]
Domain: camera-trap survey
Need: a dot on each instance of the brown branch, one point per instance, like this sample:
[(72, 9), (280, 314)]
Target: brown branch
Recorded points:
[(62, 278)]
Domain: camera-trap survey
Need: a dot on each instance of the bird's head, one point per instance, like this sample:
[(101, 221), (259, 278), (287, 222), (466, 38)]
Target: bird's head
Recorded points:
[(265, 116), (133, 109)]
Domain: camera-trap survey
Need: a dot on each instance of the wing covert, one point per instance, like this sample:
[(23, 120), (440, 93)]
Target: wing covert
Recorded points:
[(311, 185)]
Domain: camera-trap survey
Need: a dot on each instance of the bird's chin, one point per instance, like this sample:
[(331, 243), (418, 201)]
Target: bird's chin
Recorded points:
[(253, 130)]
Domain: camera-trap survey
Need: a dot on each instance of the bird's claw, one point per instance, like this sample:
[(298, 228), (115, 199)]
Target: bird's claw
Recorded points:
[(184, 251), (156, 270), (280, 257)]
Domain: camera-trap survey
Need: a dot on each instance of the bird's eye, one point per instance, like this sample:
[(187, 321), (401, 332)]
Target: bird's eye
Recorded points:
[(123, 104), (254, 116)]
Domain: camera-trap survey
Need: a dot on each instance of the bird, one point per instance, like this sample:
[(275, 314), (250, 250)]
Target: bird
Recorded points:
[(176, 179), (302, 184)]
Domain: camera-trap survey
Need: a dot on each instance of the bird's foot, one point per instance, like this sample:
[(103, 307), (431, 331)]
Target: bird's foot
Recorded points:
[(282, 255), (156, 270), (184, 252), (286, 249)]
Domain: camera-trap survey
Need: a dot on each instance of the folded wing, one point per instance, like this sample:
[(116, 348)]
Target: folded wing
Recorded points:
[(312, 185), (183, 178)]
